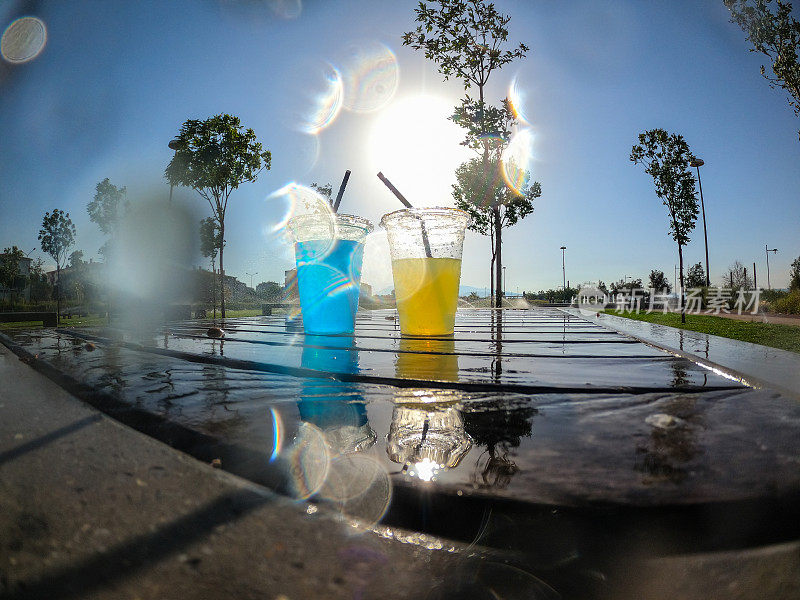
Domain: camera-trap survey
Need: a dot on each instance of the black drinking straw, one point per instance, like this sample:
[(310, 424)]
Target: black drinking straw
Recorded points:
[(394, 190), (341, 191), (407, 204)]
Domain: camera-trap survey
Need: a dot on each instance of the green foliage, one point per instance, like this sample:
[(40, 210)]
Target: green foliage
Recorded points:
[(666, 158), (626, 287), (775, 34), (106, 210), (659, 281), (485, 125), (326, 191), (769, 296), (210, 238), (477, 191), (40, 285), (214, 157), (269, 290), (75, 260), (107, 206), (464, 38), (9, 268), (788, 303), (794, 275), (696, 276), (560, 295), (57, 235)]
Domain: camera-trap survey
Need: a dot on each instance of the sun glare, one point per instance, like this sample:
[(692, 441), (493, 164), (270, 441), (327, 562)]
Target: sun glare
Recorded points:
[(415, 145)]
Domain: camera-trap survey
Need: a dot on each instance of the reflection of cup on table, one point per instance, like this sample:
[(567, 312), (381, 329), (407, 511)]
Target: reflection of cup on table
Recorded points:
[(427, 439), (329, 249), (426, 246), (431, 359)]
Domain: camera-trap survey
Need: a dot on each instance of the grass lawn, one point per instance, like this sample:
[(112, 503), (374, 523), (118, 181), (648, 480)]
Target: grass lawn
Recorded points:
[(245, 312), (785, 337)]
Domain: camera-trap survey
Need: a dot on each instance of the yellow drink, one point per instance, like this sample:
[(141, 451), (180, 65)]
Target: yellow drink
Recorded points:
[(426, 290)]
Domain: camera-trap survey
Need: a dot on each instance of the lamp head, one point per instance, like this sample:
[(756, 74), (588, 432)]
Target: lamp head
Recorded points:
[(697, 162)]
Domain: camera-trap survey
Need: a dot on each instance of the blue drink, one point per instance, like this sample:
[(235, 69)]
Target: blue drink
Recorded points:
[(329, 250), (328, 279)]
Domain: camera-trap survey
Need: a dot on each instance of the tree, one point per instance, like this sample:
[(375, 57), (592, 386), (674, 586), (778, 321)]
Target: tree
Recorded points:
[(40, 286), (326, 191), (56, 238), (659, 281), (696, 277), (666, 158), (481, 189), (75, 260), (106, 209), (466, 39), (737, 278), (794, 275), (622, 285), (269, 290), (214, 157), (774, 34), (9, 270), (210, 242)]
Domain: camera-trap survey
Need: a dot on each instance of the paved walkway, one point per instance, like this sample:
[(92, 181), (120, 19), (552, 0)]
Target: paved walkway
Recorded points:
[(755, 365), (92, 509)]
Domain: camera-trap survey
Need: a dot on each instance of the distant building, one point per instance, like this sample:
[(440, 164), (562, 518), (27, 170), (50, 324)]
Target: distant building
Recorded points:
[(366, 290)]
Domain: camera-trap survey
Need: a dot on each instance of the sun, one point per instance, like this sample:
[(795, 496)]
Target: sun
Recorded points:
[(418, 148)]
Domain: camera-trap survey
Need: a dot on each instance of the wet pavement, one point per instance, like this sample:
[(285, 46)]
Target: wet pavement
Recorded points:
[(553, 425)]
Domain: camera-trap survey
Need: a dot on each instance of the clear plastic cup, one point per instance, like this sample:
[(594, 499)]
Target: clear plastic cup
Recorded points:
[(426, 246), (329, 249)]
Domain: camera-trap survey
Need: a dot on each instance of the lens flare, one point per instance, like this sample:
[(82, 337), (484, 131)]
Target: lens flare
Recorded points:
[(377, 266), (516, 98), (286, 9), (326, 103), (23, 40), (359, 487), (516, 161), (308, 461), (306, 154), (277, 431), (371, 76), (300, 200)]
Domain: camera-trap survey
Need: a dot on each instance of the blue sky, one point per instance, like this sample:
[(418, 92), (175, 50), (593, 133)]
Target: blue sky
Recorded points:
[(116, 79)]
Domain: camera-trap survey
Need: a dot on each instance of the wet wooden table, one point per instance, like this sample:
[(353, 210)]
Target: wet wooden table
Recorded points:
[(524, 425)]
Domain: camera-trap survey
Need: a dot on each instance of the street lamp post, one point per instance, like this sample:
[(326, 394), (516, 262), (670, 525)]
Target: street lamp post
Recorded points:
[(563, 270), (504, 282), (174, 145), (251, 277), (697, 163), (767, 250)]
